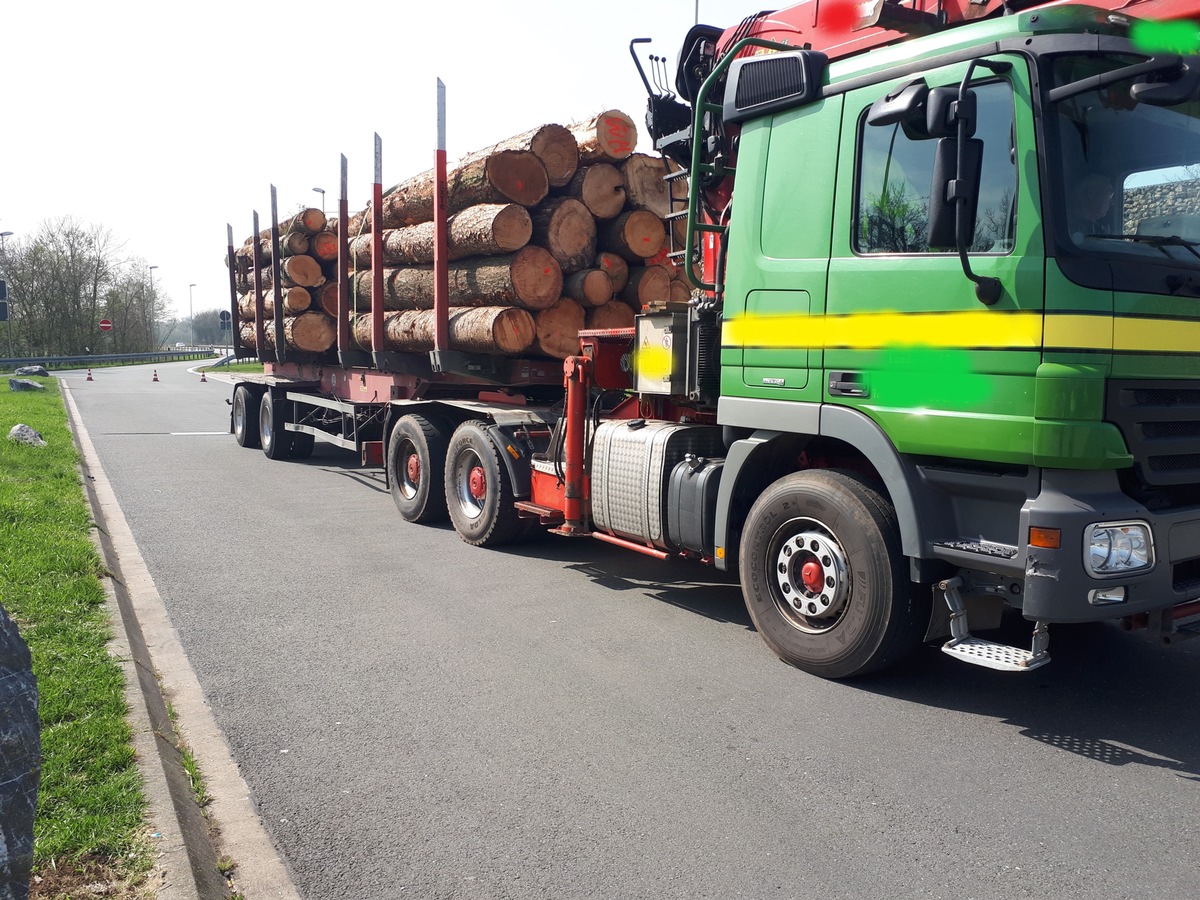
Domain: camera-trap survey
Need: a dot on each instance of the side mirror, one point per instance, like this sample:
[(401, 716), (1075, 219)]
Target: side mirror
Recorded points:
[(949, 185), (945, 109)]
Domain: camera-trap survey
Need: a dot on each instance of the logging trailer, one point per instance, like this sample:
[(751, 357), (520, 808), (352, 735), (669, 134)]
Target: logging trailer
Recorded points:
[(941, 357)]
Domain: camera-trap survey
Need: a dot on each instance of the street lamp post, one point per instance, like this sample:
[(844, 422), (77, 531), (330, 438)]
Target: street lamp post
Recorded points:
[(191, 317), (4, 235), (321, 191), (153, 315)]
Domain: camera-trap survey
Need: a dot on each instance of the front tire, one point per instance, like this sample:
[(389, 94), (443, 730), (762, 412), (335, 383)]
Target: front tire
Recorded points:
[(479, 497), (245, 416), (416, 469), (823, 576)]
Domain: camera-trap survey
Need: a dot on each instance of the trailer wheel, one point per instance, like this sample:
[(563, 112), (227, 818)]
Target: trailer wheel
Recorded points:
[(823, 576), (245, 416), (277, 441), (416, 469), (478, 495)]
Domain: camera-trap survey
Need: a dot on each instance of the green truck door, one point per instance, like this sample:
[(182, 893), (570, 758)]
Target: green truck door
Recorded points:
[(905, 338)]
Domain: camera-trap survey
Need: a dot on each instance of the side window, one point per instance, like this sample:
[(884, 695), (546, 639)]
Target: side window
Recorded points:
[(895, 175)]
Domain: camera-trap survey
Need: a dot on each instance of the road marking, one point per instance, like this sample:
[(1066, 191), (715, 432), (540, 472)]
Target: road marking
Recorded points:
[(187, 433), (261, 872)]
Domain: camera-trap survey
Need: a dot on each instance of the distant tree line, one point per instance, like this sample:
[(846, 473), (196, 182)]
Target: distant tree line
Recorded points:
[(66, 277)]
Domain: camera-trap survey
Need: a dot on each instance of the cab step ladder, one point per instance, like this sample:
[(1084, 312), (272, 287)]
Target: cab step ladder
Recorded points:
[(980, 652)]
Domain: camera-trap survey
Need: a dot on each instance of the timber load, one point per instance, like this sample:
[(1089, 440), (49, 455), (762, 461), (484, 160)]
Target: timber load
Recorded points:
[(555, 229)]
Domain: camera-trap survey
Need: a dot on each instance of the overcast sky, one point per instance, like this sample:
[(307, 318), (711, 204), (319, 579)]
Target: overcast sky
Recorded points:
[(164, 121)]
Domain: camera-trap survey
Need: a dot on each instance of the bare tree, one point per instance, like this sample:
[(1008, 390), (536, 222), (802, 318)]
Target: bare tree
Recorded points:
[(68, 276)]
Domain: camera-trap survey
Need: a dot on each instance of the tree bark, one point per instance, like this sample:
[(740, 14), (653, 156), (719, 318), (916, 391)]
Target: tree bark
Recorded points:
[(529, 278), (485, 230), (589, 287), (599, 187), (311, 331), (610, 315), (609, 136), (295, 301), (558, 328), (554, 145), (646, 285), (505, 176), (566, 228), (635, 235), (616, 268)]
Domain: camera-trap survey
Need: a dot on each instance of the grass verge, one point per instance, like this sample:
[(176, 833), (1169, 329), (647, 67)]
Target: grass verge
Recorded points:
[(236, 367), (90, 806)]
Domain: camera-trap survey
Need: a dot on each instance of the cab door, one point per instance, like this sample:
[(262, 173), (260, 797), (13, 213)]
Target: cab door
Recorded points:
[(906, 339)]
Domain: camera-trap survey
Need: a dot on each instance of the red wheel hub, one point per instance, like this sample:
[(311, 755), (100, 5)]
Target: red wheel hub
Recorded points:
[(813, 576), (477, 483), (412, 468)]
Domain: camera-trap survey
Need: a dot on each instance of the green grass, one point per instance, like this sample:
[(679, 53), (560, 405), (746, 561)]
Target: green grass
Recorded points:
[(90, 803), (236, 367)]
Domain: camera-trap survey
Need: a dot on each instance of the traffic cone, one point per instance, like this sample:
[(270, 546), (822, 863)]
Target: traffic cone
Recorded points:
[(89, 378), (202, 378), (155, 378)]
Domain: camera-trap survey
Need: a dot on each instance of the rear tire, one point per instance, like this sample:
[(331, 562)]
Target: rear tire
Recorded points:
[(823, 576), (416, 469), (479, 497), (277, 441), (245, 417)]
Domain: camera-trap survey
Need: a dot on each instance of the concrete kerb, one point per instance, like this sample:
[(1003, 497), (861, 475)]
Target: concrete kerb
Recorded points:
[(150, 650)]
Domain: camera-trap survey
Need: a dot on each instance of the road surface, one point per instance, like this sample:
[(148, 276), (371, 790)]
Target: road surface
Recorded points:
[(420, 718)]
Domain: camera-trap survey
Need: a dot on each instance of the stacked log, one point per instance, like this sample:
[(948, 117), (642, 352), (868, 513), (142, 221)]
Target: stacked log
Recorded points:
[(550, 231), (308, 283)]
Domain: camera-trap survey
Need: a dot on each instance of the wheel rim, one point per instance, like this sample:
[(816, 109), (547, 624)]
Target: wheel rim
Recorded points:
[(811, 586), (470, 482), (239, 416), (264, 424), (410, 469)]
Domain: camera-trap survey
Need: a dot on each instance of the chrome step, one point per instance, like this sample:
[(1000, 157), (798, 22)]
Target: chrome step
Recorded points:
[(989, 654)]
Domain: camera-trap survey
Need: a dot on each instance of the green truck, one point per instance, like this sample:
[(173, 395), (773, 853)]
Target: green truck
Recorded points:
[(942, 359)]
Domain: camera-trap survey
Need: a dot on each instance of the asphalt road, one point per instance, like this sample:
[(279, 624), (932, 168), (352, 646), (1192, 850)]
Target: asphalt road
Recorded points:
[(420, 718)]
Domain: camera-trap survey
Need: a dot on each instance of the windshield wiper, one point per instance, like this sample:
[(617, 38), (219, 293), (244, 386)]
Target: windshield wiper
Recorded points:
[(1155, 240)]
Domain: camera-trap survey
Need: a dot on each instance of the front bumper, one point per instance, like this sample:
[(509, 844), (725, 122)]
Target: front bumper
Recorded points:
[(1057, 583)]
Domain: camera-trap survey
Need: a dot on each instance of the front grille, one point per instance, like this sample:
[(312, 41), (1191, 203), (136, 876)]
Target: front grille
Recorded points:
[(1160, 421)]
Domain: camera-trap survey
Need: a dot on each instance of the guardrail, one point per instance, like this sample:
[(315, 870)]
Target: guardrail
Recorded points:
[(99, 359)]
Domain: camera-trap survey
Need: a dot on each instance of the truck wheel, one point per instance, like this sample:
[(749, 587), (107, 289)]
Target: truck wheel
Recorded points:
[(276, 441), (245, 416), (823, 576), (416, 466), (478, 495)]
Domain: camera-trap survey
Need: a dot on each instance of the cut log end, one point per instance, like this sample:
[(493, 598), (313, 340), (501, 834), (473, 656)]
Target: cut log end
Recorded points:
[(520, 177)]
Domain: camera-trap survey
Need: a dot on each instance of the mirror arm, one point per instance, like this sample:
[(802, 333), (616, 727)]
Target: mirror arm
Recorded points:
[(987, 289)]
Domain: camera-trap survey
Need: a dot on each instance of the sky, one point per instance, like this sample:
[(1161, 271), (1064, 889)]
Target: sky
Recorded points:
[(166, 121)]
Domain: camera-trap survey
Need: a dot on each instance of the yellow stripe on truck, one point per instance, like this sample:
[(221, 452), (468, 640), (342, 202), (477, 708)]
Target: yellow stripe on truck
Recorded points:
[(977, 329), (981, 329)]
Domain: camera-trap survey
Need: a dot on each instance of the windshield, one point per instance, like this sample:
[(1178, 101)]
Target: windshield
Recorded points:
[(1128, 185)]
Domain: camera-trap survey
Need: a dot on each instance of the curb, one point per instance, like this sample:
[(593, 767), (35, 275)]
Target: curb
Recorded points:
[(149, 649)]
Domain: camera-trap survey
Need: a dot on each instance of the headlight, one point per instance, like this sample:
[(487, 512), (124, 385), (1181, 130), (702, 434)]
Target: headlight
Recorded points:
[(1116, 548)]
